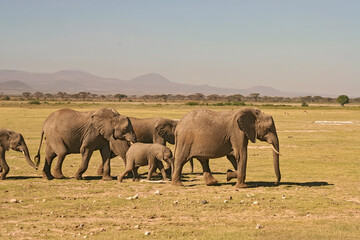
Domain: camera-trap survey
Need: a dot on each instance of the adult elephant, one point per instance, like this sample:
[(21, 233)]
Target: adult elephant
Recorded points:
[(68, 131), (15, 141), (147, 130), (205, 134)]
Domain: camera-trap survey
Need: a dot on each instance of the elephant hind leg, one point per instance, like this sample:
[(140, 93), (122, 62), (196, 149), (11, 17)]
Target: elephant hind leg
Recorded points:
[(57, 173), (49, 157), (208, 177)]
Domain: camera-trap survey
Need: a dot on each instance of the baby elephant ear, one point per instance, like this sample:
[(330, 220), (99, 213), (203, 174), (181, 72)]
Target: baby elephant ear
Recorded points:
[(103, 121), (166, 129), (246, 120)]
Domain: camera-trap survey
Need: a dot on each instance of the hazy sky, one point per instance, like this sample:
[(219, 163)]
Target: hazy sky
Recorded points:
[(303, 46)]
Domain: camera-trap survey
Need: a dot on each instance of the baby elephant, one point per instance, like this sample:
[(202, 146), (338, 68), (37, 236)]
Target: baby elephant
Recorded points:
[(141, 154), (15, 141)]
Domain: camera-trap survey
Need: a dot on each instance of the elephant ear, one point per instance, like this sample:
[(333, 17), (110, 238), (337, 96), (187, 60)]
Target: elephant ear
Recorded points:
[(103, 121), (166, 129), (246, 119), (5, 138)]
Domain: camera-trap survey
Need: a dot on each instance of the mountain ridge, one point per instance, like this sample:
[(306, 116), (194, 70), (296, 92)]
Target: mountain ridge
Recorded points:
[(73, 81)]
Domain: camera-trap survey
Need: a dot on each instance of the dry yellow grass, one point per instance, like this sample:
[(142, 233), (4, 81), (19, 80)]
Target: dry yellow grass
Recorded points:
[(319, 197)]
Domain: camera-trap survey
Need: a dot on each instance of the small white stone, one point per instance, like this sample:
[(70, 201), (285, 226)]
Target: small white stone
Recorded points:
[(137, 226), (258, 226), (256, 203), (157, 192), (13, 200), (226, 201), (176, 202), (147, 233), (44, 200)]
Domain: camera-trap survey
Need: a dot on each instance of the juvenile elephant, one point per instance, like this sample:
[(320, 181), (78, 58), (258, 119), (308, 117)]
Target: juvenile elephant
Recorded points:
[(205, 134), (147, 130), (15, 141), (141, 154), (68, 131)]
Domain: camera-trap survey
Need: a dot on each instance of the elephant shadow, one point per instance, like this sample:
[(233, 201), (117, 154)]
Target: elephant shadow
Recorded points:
[(23, 177), (300, 184)]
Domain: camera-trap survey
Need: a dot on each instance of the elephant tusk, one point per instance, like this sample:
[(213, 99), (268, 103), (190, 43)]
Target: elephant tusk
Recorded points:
[(273, 148), (131, 143), (23, 152)]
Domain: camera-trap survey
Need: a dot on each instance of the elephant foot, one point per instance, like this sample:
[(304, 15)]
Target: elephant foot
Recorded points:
[(209, 179), (230, 175), (107, 178), (78, 177), (59, 176), (136, 180), (241, 185), (177, 183), (2, 177), (47, 176), (277, 183)]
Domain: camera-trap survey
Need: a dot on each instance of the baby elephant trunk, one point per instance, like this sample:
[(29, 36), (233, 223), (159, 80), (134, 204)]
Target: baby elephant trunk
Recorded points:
[(26, 153)]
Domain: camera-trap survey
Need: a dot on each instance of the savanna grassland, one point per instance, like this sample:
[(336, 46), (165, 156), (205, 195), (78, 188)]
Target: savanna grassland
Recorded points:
[(318, 198)]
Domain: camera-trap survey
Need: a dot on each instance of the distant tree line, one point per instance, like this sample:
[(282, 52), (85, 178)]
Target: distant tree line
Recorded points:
[(197, 97)]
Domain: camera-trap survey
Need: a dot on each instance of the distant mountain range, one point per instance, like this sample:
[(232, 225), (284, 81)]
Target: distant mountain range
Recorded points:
[(73, 81)]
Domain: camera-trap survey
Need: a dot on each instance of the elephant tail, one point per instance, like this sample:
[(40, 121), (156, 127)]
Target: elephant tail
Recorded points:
[(37, 157), (192, 165)]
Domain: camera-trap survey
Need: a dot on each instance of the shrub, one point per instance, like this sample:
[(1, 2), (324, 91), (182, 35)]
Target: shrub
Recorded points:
[(35, 102), (304, 104), (192, 103)]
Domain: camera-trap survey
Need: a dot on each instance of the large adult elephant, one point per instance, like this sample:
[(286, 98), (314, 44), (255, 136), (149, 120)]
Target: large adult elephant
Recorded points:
[(147, 130), (15, 141), (68, 131), (205, 134)]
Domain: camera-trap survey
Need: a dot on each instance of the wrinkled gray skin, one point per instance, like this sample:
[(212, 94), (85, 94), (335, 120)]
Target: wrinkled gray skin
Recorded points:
[(142, 154), (205, 134), (67, 131), (15, 141), (148, 130)]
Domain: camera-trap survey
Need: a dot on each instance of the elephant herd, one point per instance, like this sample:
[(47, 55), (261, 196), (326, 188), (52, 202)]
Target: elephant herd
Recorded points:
[(200, 134)]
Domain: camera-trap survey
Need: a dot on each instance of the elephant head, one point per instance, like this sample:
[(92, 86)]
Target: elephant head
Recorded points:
[(15, 141), (258, 125), (167, 156), (111, 124), (166, 129)]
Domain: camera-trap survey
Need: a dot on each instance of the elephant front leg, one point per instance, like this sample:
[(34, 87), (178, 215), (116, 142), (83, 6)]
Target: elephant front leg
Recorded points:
[(152, 168), (208, 177), (3, 166), (241, 171), (230, 174), (86, 155), (106, 156), (161, 167)]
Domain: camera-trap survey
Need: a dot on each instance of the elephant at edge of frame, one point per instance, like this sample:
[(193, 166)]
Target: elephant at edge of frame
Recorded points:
[(205, 134), (68, 131), (15, 141)]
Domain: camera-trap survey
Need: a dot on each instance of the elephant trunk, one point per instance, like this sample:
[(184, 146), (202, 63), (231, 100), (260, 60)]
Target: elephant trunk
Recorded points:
[(276, 155), (27, 156)]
